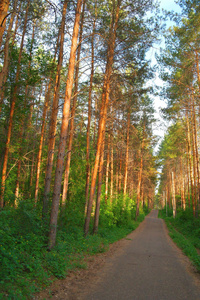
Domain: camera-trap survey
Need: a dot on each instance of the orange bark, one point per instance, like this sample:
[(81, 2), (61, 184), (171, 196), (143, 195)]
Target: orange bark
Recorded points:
[(63, 133), (67, 168), (98, 199), (12, 108), (127, 154), (103, 114), (4, 5), (54, 113), (89, 121)]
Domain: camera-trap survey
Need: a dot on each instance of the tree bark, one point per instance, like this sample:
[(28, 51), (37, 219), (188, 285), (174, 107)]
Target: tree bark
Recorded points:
[(127, 153), (4, 5), (103, 112), (64, 127), (107, 167), (98, 199), (89, 119), (173, 196), (12, 108), (54, 113), (190, 162), (140, 177), (67, 168)]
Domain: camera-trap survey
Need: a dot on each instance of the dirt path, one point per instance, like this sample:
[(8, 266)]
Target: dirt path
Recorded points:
[(144, 266)]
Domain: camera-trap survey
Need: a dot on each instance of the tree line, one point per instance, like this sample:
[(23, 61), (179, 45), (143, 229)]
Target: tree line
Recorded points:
[(76, 115), (179, 151)]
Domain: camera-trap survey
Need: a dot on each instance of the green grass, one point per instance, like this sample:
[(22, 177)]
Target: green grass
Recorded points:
[(185, 232), (28, 267)]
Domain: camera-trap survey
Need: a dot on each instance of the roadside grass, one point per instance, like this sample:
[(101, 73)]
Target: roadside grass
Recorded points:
[(28, 267), (185, 232)]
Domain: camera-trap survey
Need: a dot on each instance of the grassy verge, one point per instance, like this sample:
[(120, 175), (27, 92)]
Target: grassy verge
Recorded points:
[(26, 265), (185, 232)]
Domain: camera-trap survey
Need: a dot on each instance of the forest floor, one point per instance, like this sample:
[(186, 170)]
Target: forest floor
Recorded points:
[(144, 265)]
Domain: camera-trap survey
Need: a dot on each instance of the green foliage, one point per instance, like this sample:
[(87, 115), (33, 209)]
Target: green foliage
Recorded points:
[(27, 266), (185, 231)]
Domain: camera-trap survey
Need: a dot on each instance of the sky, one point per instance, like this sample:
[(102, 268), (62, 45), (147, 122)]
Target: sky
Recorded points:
[(161, 126)]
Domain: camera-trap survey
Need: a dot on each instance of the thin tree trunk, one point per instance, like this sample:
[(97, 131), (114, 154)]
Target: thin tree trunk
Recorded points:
[(190, 162), (12, 108), (120, 172), (67, 168), (107, 167), (173, 196), (98, 200), (23, 120), (111, 166), (188, 177), (89, 120), (64, 127), (95, 122), (140, 178), (4, 5), (39, 156), (197, 153), (54, 113), (103, 113), (127, 153), (4, 71), (182, 184)]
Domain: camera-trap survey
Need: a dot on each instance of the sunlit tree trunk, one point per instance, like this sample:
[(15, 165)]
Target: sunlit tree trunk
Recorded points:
[(190, 162), (63, 133), (12, 108), (54, 113), (67, 168), (103, 112), (89, 118), (23, 119), (196, 152), (107, 167), (182, 185), (4, 5), (39, 156), (120, 171), (127, 153), (173, 196), (4, 71), (140, 177), (98, 199)]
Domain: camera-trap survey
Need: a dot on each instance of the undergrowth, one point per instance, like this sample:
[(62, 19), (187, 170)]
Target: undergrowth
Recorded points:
[(26, 264), (185, 231)]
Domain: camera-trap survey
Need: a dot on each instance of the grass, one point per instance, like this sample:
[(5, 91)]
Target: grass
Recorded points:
[(26, 265), (185, 232)]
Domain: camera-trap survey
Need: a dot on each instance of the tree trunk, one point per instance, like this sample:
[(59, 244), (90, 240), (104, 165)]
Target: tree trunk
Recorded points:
[(23, 120), (63, 133), (4, 5), (54, 113), (140, 177), (89, 120), (107, 167), (4, 71), (197, 154), (67, 168), (103, 112), (190, 162), (127, 153), (12, 108), (98, 200), (39, 156), (173, 196)]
